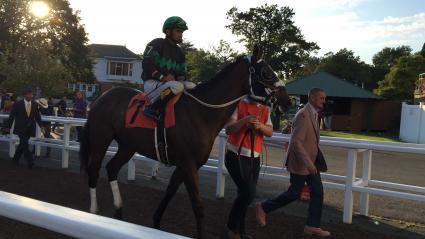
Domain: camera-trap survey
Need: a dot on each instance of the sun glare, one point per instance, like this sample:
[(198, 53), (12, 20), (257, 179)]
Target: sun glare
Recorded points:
[(39, 9)]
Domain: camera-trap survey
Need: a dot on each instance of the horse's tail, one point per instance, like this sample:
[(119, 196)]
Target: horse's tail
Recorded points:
[(85, 147)]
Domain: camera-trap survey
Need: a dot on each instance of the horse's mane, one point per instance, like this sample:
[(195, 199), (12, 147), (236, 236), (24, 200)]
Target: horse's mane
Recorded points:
[(207, 85)]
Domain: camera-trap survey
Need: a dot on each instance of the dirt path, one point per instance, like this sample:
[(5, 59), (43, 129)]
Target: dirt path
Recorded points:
[(69, 189)]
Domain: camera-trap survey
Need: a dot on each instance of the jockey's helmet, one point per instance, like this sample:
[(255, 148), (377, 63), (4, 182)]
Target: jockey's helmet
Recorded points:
[(174, 22)]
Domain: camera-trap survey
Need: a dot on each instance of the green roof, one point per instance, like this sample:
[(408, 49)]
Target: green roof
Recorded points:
[(333, 86)]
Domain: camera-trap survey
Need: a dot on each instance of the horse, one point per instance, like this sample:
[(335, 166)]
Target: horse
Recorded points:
[(199, 112)]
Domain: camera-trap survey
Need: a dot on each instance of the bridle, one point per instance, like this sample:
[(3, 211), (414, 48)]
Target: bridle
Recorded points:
[(270, 98)]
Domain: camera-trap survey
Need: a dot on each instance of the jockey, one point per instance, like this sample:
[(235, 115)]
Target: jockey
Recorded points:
[(164, 66)]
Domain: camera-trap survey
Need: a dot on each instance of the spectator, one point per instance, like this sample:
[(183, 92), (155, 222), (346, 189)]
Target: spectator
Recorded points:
[(305, 162), (80, 111), (327, 114), (61, 105), (2, 99), (9, 102), (47, 110), (25, 114)]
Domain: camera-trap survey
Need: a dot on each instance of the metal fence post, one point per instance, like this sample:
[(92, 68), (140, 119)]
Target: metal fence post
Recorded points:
[(348, 195), (154, 170), (12, 143), (37, 136), (131, 170), (65, 151), (221, 179), (364, 197)]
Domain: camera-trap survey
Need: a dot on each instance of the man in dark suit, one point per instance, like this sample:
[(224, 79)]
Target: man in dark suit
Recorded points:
[(25, 114), (304, 162)]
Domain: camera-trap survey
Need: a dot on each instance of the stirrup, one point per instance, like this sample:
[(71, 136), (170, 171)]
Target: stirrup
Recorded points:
[(151, 113)]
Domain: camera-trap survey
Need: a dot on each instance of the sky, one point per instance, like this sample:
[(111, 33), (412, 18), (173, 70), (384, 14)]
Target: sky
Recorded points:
[(363, 26)]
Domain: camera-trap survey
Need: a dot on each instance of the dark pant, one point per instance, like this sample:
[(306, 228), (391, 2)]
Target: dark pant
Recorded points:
[(314, 182), (246, 183), (79, 133), (46, 133), (23, 148)]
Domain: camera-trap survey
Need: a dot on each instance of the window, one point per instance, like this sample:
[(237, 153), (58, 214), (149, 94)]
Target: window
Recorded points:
[(83, 87), (120, 68), (89, 88)]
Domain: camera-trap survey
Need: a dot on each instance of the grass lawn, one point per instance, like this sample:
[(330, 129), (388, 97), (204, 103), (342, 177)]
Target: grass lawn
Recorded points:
[(361, 135)]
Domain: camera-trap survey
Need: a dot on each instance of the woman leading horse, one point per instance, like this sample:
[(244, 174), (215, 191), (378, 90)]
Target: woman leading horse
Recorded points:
[(201, 112)]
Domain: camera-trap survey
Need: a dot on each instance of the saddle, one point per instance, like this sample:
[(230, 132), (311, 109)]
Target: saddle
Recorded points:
[(135, 118)]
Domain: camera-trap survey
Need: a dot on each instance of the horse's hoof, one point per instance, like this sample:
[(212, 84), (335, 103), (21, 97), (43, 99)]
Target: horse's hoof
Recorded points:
[(94, 210), (156, 223), (118, 214)]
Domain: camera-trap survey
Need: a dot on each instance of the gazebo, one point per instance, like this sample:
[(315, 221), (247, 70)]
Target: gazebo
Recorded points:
[(354, 108)]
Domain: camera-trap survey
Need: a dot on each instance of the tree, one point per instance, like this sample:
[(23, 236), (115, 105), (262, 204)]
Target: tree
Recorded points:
[(32, 66), (59, 37), (388, 56), (273, 28), (399, 83), (345, 65), (422, 52), (309, 66), (204, 64)]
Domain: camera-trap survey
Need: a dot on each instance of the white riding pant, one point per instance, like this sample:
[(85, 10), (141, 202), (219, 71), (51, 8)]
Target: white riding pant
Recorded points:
[(153, 88)]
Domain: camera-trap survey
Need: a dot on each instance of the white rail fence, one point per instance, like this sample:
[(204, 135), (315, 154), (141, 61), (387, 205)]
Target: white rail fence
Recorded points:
[(72, 222), (348, 183)]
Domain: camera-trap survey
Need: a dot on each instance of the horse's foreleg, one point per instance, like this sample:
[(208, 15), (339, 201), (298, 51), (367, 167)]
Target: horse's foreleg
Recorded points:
[(113, 167), (191, 182), (174, 183), (117, 199)]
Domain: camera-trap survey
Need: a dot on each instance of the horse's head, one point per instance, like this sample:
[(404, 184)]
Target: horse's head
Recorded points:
[(264, 84)]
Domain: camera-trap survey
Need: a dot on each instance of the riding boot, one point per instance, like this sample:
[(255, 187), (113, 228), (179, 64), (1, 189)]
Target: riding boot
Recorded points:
[(152, 110)]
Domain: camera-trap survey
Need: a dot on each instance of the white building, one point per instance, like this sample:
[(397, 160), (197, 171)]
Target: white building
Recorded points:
[(113, 64)]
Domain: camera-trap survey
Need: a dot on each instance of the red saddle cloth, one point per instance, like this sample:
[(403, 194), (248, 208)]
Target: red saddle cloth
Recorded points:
[(135, 109)]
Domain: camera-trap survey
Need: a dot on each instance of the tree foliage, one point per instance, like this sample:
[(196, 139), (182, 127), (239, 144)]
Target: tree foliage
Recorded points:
[(344, 64), (54, 46), (399, 83), (388, 56), (272, 27), (422, 52), (204, 64)]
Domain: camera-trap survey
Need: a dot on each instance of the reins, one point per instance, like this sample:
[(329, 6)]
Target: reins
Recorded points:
[(213, 105)]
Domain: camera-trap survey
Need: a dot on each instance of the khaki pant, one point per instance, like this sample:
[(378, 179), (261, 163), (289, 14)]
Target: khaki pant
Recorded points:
[(153, 88)]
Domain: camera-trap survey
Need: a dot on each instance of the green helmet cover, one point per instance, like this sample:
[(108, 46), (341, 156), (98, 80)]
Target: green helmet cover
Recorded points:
[(174, 22)]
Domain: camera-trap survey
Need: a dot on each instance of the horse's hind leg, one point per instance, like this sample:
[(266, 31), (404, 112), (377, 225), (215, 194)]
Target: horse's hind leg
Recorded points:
[(174, 183), (113, 167), (191, 181), (96, 156)]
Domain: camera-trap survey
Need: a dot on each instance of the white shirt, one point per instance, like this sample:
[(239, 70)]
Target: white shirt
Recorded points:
[(27, 106)]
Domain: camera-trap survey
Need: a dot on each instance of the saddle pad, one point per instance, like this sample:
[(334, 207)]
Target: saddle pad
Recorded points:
[(135, 109)]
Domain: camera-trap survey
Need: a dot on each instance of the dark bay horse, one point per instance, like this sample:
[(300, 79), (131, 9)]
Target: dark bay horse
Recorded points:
[(189, 142)]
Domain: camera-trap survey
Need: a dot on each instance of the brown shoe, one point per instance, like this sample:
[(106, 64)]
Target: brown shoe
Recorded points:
[(260, 214), (317, 231), (233, 235)]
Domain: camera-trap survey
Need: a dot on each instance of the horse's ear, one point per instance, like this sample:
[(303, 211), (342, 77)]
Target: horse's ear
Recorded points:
[(257, 53)]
